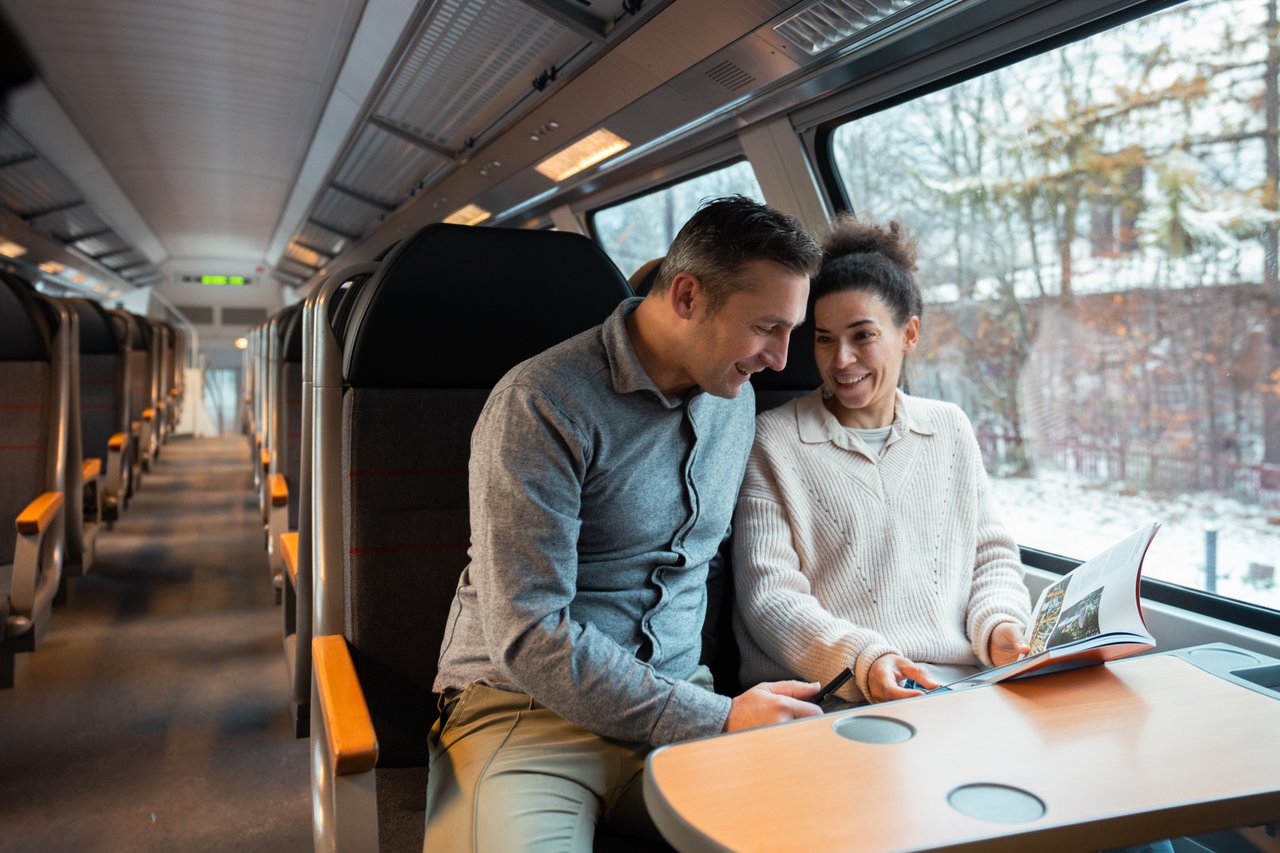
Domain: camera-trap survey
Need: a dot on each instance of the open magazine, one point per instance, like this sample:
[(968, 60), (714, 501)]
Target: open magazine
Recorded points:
[(1093, 614)]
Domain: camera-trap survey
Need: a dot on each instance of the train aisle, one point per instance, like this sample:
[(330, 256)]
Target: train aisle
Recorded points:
[(155, 715)]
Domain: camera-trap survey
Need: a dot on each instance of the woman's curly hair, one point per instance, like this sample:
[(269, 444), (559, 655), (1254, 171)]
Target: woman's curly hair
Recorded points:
[(860, 254)]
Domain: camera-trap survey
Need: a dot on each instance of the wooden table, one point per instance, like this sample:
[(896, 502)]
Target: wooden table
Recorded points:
[(1136, 750)]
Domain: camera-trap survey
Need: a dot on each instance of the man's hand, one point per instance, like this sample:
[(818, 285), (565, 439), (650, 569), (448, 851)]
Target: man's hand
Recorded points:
[(1007, 644), (772, 702), (884, 681)]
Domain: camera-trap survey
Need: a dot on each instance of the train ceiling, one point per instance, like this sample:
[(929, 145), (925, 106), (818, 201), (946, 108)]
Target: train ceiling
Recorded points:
[(302, 132)]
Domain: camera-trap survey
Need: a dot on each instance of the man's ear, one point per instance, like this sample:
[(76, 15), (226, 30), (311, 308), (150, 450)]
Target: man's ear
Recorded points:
[(684, 294)]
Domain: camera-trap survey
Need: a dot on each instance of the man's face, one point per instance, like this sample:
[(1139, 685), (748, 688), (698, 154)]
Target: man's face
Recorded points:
[(749, 331)]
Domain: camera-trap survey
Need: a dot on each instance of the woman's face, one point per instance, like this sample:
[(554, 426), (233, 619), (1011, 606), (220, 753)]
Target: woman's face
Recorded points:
[(859, 352)]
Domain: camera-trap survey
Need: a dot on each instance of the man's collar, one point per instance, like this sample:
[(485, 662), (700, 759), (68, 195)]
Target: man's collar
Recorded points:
[(625, 369)]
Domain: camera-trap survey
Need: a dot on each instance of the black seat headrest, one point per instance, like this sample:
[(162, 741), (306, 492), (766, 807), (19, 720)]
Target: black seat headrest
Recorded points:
[(96, 334), (641, 280), (138, 330), (25, 333), (457, 306), (290, 328), (340, 305)]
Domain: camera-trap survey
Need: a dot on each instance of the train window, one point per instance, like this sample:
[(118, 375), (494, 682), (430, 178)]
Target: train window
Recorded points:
[(1098, 238), (641, 228)]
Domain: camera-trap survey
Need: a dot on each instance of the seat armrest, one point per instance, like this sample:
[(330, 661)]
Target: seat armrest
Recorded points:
[(148, 414), (353, 746), (39, 514), (289, 554), (31, 559), (115, 471), (279, 490), (90, 469), (266, 459)]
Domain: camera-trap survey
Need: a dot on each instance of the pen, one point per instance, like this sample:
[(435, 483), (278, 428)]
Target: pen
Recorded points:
[(832, 686)]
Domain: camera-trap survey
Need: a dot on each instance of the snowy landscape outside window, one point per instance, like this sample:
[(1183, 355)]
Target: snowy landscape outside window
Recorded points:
[(1098, 234), (641, 229)]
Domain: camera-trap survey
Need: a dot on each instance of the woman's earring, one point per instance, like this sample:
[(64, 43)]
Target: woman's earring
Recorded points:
[(827, 393)]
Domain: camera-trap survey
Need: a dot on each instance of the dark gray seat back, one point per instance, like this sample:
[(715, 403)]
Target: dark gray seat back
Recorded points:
[(411, 401), (29, 436), (102, 386), (289, 399)]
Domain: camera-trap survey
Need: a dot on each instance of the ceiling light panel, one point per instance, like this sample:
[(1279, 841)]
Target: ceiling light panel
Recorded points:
[(472, 62), (594, 148), (828, 23), (470, 214), (311, 258), (10, 249), (314, 235)]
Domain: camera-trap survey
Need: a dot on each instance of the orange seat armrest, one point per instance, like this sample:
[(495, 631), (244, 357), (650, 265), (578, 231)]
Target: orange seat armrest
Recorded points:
[(266, 459), (90, 469), (148, 414), (173, 392), (289, 554), (279, 490), (135, 427), (353, 746), (116, 442), (36, 517)]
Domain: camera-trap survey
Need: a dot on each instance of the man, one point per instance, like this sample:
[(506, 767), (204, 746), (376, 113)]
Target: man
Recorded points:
[(603, 476)]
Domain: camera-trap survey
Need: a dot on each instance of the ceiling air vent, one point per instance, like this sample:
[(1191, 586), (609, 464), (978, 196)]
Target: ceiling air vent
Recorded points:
[(827, 23), (729, 75)]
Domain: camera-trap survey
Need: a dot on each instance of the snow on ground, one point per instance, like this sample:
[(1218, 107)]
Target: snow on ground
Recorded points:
[(1064, 514)]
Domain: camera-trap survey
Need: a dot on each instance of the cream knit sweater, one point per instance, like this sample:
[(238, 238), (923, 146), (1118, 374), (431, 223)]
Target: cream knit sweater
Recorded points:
[(840, 556)]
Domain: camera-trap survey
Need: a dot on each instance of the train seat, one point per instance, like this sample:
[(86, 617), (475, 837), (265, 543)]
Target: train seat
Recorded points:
[(297, 548), (137, 333), (102, 408), (410, 403), (642, 279), (33, 398), (284, 430), (79, 536), (153, 417), (170, 382)]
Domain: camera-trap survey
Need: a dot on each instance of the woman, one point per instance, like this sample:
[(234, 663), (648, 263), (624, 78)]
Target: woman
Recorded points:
[(864, 535)]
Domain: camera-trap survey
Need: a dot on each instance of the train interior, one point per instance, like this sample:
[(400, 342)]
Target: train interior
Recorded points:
[(261, 262)]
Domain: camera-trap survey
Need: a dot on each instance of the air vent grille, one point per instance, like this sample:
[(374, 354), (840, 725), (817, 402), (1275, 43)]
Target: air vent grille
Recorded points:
[(243, 316), (731, 76), (201, 315), (468, 55), (827, 23)]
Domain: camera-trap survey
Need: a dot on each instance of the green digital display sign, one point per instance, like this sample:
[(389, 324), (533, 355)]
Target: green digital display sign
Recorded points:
[(223, 279)]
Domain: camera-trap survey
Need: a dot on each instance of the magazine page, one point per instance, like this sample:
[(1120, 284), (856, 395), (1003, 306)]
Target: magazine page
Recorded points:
[(1100, 596), (1092, 614)]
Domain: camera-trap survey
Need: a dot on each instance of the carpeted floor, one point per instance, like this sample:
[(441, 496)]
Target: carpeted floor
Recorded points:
[(155, 715)]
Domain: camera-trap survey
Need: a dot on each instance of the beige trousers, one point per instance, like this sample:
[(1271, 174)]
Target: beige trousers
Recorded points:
[(507, 774)]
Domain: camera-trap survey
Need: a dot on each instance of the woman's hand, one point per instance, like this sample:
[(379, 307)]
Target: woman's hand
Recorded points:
[(884, 682), (1007, 643)]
